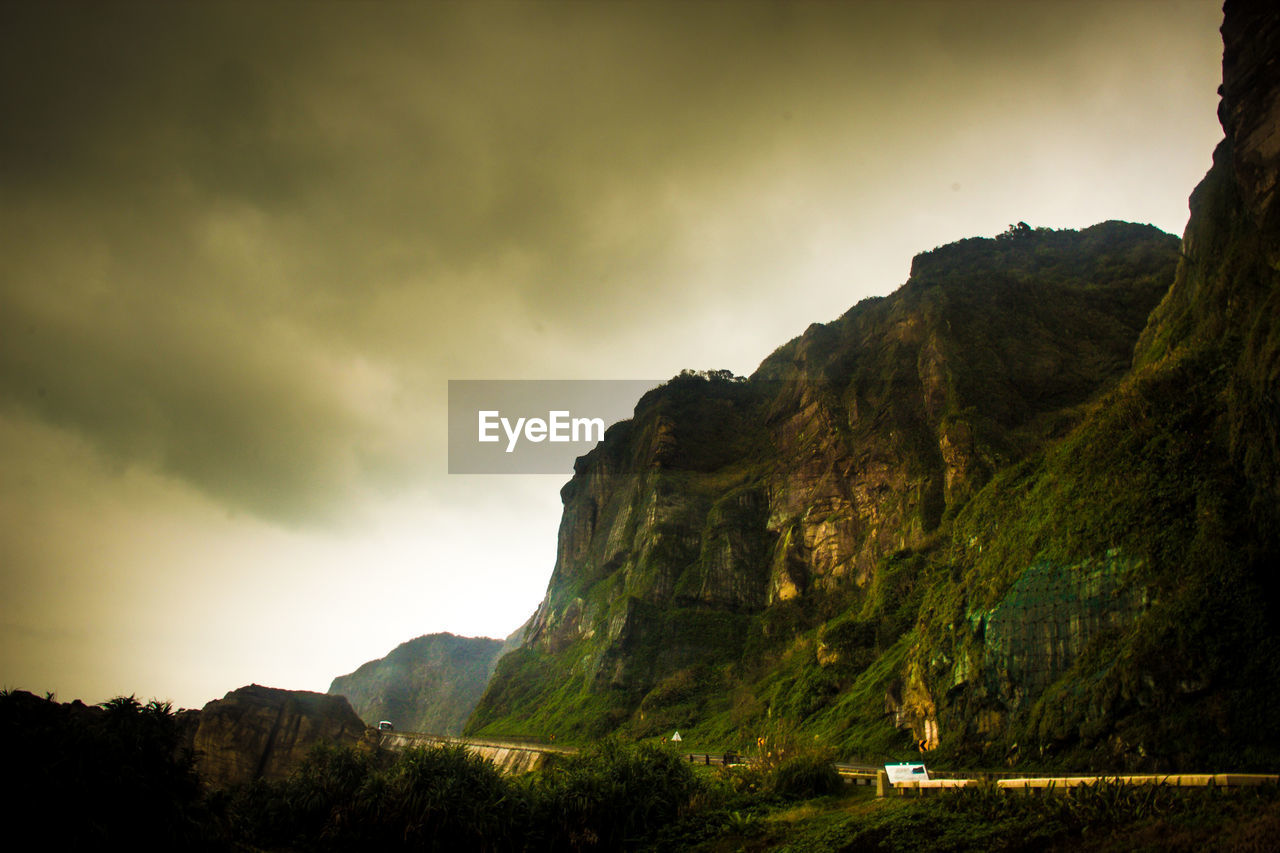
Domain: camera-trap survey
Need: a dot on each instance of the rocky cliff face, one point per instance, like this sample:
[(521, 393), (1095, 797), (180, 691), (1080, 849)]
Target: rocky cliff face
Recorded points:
[(263, 733), (1010, 512), (1250, 109), (730, 518), (429, 684)]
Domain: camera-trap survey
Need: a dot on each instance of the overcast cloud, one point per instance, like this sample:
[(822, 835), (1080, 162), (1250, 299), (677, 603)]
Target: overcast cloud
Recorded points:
[(243, 247)]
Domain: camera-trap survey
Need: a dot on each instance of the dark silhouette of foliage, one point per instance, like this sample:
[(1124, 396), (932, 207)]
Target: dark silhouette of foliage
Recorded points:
[(95, 774), (444, 798), (1016, 231)]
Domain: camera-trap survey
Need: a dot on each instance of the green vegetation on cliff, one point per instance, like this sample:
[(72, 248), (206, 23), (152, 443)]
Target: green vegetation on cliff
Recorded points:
[(429, 684), (1166, 488), (751, 556)]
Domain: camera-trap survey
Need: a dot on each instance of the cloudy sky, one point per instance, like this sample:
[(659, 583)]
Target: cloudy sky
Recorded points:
[(244, 247)]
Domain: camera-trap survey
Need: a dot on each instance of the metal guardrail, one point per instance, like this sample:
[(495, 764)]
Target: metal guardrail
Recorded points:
[(1041, 784)]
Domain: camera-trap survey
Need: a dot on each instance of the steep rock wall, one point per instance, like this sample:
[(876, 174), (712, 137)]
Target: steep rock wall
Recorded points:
[(730, 514)]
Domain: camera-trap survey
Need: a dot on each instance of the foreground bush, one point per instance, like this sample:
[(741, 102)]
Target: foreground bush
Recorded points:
[(787, 769), (444, 798), (608, 796), (92, 774), (342, 798), (805, 775)]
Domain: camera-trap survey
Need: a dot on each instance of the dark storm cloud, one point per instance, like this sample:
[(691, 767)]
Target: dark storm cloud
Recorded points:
[(246, 244)]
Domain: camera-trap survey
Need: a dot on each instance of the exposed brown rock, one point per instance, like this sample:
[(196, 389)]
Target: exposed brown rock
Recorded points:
[(726, 498), (263, 733), (1250, 106)]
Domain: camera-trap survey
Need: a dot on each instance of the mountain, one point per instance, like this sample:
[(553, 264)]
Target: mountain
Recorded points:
[(429, 684), (734, 530), (1025, 509)]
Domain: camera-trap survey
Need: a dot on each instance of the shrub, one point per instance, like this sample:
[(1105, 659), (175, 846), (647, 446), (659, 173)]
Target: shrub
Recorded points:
[(608, 796), (805, 775)]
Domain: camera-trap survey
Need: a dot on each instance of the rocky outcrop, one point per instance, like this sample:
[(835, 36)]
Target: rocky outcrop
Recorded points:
[(263, 733), (731, 514), (1250, 106), (429, 684)]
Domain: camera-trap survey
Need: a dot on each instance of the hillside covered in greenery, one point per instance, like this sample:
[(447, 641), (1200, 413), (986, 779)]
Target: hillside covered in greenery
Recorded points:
[(429, 684)]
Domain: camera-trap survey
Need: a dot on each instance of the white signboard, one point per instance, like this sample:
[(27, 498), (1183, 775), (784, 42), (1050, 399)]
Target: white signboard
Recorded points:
[(906, 772)]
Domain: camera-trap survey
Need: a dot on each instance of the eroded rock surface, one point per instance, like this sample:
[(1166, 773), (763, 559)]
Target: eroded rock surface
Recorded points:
[(263, 733)]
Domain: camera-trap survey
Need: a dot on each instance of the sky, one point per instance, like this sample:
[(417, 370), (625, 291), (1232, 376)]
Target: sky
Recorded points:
[(245, 246)]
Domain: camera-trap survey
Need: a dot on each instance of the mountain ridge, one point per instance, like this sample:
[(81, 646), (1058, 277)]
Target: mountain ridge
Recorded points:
[(428, 684)]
